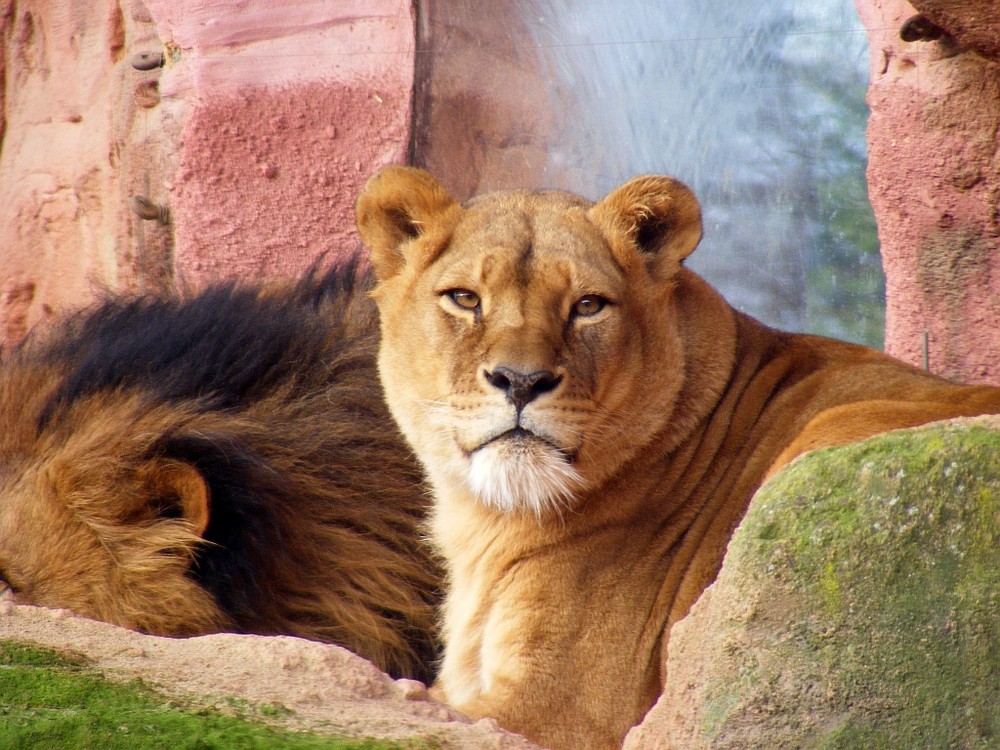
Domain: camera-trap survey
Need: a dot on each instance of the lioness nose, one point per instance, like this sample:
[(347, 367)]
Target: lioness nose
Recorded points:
[(522, 388)]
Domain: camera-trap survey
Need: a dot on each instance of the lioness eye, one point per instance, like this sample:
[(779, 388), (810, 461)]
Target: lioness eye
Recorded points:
[(464, 298), (591, 304)]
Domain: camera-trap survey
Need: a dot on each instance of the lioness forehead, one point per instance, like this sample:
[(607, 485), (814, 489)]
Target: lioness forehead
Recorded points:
[(518, 230), (507, 199)]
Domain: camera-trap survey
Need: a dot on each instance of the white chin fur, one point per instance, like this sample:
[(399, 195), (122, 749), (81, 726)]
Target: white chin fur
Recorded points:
[(523, 476)]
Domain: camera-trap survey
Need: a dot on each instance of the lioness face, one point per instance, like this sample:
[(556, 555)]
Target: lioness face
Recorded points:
[(506, 355)]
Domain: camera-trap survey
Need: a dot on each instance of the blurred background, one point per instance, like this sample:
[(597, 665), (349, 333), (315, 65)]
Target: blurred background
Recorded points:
[(759, 107)]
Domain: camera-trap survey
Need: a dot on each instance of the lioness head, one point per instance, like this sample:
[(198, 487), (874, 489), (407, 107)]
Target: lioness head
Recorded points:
[(524, 333)]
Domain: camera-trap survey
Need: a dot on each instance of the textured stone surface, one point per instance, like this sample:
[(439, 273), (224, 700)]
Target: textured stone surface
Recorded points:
[(284, 110), (319, 687), (256, 135), (934, 182), (72, 139), (974, 23), (857, 606)]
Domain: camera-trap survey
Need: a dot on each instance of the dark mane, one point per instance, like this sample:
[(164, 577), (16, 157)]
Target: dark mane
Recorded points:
[(228, 345), (271, 393)]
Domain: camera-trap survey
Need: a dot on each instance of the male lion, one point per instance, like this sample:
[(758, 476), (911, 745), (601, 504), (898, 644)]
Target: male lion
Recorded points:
[(594, 419), (223, 463)]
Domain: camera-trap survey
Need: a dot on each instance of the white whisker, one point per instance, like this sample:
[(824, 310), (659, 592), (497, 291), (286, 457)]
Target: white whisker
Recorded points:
[(524, 476)]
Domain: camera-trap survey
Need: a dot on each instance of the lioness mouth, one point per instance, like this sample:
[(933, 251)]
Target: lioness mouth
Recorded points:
[(520, 435)]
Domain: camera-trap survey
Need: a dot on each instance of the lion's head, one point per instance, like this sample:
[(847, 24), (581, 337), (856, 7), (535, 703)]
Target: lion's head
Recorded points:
[(525, 333), (218, 462), (97, 520)]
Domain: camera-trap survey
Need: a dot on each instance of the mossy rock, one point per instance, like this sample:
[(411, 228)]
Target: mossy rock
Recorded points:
[(859, 603)]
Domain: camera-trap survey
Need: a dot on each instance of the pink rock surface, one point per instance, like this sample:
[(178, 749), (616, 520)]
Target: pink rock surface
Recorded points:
[(484, 120), (59, 189), (975, 23), (257, 135), (268, 177), (325, 688), (933, 182), (285, 110)]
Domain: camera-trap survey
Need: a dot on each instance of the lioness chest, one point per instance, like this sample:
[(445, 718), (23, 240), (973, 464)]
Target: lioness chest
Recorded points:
[(547, 627)]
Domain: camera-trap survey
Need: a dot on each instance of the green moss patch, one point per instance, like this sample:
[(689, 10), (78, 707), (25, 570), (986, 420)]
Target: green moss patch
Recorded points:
[(875, 569), (54, 700)]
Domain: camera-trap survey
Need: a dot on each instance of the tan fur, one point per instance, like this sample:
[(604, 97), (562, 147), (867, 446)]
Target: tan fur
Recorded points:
[(106, 506), (669, 408)]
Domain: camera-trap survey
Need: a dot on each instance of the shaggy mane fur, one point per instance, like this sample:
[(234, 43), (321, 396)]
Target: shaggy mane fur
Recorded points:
[(271, 395)]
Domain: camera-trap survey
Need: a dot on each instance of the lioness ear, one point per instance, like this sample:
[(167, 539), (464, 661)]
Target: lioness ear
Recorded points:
[(177, 487), (658, 216), (397, 206)]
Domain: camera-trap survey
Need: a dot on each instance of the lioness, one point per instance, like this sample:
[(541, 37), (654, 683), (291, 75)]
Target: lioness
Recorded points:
[(223, 462), (594, 419)]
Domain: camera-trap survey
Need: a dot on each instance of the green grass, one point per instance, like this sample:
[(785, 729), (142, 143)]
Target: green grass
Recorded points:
[(50, 700)]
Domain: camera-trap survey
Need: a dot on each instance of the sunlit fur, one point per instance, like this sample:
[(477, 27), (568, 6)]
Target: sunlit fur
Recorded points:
[(580, 524), (521, 475), (222, 462)]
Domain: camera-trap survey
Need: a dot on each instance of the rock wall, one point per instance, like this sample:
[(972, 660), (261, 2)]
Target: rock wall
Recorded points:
[(244, 151), (856, 608), (934, 180), (67, 135), (266, 117), (284, 110), (483, 120)]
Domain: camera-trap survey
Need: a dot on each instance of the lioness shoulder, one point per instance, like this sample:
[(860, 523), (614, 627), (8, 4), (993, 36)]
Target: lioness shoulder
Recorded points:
[(593, 418)]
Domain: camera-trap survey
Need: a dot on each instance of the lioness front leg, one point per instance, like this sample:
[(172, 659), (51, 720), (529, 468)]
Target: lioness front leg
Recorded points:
[(542, 718), (523, 666)]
